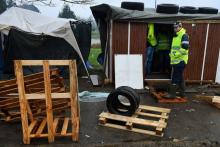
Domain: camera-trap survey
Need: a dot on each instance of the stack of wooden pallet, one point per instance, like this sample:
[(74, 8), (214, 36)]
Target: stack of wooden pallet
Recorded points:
[(34, 83)]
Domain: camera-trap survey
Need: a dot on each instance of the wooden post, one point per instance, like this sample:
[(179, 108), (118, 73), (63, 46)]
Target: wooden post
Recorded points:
[(74, 103), (49, 109), (23, 101)]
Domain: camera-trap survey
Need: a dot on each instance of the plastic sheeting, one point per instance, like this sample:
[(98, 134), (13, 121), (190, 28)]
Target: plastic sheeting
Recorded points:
[(87, 96), (35, 23)]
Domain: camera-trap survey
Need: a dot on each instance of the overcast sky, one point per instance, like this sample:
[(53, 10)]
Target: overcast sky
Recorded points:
[(83, 11)]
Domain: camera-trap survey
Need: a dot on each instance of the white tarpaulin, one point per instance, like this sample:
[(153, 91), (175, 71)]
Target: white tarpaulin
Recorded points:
[(36, 23)]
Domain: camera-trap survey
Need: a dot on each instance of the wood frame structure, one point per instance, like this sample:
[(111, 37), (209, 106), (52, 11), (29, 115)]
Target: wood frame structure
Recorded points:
[(35, 128)]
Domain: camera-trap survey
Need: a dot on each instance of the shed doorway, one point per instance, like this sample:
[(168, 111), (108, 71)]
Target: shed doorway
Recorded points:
[(157, 66)]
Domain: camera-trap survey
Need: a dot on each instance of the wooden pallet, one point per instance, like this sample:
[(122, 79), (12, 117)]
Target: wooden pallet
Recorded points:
[(147, 120), (160, 99), (47, 125), (34, 83)]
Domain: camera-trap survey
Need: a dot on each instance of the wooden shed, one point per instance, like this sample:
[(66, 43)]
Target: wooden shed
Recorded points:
[(125, 31)]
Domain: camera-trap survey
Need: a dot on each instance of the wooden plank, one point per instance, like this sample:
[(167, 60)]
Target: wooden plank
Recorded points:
[(38, 136), (31, 126), (129, 124), (133, 120), (152, 115), (5, 92), (14, 102), (156, 109), (102, 120), (55, 123), (216, 99), (53, 95), (160, 129), (28, 77), (49, 110), (203, 97), (65, 126), (23, 101), (41, 127), (147, 132), (74, 100), (40, 62)]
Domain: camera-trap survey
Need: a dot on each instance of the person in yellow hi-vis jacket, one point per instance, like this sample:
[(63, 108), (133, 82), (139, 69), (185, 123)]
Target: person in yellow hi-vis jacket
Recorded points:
[(178, 59), (151, 43)]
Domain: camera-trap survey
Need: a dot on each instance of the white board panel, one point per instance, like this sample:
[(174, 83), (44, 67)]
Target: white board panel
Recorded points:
[(217, 79), (129, 71)]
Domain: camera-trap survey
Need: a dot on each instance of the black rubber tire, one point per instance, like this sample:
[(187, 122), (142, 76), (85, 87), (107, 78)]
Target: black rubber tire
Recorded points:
[(167, 8), (207, 10), (133, 5), (188, 10), (133, 92), (113, 106)]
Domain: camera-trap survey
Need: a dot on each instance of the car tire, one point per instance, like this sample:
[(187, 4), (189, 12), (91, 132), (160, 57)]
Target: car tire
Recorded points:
[(167, 8), (188, 10), (114, 107), (207, 10), (133, 92), (133, 6)]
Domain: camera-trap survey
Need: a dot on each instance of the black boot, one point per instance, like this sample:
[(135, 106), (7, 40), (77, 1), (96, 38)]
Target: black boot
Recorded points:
[(182, 87), (172, 92)]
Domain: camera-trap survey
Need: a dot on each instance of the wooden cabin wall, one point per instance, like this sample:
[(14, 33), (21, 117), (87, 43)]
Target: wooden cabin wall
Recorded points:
[(138, 38), (197, 34), (197, 37), (212, 52), (120, 39)]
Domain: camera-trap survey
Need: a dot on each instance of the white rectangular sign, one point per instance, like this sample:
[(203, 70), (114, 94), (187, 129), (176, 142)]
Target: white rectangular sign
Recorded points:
[(129, 71)]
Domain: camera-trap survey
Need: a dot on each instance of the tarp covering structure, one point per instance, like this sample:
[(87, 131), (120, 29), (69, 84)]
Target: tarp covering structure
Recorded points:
[(32, 23), (107, 12)]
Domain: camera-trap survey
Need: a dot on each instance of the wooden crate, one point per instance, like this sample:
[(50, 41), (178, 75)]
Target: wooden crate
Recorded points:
[(29, 122), (146, 120)]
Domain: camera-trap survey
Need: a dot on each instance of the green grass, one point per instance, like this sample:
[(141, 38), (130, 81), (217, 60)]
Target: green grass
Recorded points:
[(94, 52)]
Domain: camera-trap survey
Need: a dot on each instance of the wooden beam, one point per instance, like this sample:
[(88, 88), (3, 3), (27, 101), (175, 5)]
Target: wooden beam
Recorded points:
[(40, 62), (42, 96), (65, 126), (74, 101), (49, 109), (216, 99), (23, 101)]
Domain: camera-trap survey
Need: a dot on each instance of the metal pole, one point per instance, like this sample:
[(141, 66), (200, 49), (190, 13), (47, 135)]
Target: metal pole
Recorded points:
[(155, 4)]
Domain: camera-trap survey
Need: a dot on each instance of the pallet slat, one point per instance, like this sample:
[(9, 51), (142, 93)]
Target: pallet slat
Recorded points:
[(32, 125), (55, 123), (41, 127), (65, 125)]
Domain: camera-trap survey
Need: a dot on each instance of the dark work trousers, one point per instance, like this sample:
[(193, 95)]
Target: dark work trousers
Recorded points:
[(177, 73), (164, 60)]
